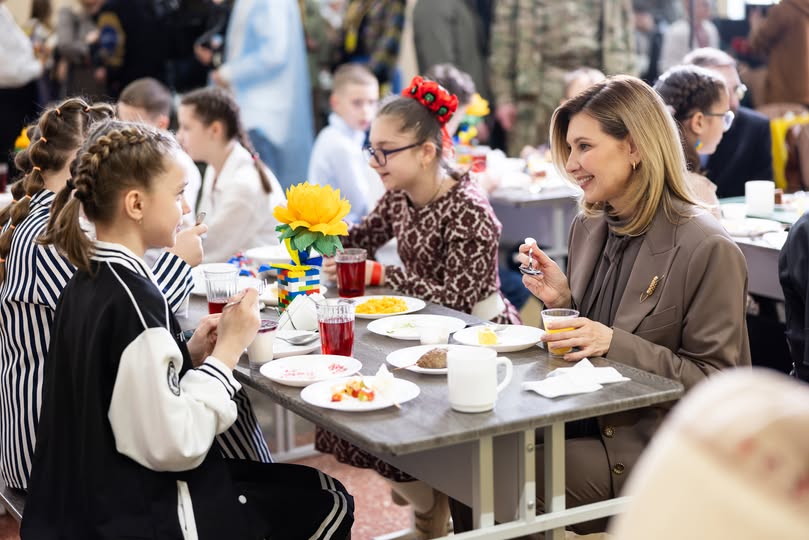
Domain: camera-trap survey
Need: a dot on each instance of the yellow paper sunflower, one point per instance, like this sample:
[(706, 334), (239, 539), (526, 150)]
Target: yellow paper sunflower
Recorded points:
[(313, 217)]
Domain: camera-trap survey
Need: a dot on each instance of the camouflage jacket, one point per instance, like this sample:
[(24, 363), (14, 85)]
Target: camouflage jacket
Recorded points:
[(534, 40)]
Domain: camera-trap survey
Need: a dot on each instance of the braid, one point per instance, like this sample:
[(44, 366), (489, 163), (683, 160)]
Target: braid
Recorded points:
[(687, 90), (55, 136), (116, 157), (244, 140)]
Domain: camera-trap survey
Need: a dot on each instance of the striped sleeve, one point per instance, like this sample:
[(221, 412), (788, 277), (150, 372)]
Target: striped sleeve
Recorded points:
[(174, 278), (53, 271)]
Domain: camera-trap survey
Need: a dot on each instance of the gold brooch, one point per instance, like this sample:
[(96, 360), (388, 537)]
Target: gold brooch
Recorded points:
[(651, 288)]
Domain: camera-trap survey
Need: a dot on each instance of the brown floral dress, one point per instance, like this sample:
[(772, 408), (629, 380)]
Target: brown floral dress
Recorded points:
[(449, 251)]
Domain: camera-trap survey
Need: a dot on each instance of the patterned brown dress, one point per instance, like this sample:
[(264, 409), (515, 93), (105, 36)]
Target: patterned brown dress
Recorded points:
[(449, 250)]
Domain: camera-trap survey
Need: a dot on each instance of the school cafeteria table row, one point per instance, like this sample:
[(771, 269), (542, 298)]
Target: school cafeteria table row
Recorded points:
[(485, 460)]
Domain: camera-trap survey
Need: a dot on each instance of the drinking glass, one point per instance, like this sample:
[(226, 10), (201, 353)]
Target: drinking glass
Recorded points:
[(220, 285), (336, 322), (351, 272), (549, 315)]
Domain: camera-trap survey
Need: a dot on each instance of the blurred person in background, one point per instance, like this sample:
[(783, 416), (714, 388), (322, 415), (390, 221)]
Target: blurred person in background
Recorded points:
[(76, 45), (265, 68), (682, 37)]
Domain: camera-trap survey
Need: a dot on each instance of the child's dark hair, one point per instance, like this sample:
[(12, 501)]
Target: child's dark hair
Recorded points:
[(418, 119), (213, 104), (116, 157), (686, 90), (54, 138), (454, 80), (148, 94)]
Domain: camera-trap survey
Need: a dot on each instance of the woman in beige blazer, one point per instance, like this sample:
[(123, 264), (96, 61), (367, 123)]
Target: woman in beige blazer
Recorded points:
[(659, 283)]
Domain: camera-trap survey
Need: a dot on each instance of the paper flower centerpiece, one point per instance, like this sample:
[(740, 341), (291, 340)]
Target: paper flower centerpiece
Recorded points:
[(312, 218)]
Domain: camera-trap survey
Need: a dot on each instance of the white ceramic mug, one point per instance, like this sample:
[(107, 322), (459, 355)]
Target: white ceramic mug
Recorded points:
[(472, 378), (759, 196)]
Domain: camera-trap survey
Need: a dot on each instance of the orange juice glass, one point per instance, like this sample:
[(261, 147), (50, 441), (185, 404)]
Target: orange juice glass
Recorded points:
[(553, 315)]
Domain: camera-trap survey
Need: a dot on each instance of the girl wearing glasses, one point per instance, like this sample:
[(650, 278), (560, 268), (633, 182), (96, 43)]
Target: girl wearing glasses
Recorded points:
[(698, 101)]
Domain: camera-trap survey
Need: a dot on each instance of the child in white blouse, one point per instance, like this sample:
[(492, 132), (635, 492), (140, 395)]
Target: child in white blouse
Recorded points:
[(238, 190)]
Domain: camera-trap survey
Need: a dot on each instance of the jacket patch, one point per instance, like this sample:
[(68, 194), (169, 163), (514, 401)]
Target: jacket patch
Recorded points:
[(173, 380)]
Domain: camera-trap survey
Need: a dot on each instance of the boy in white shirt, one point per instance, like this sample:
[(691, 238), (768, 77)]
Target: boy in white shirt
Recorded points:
[(337, 158)]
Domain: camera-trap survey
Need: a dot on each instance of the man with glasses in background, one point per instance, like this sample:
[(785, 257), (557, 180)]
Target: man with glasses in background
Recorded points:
[(745, 150)]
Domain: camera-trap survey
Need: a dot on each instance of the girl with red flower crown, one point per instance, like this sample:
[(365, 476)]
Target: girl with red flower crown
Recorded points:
[(447, 237)]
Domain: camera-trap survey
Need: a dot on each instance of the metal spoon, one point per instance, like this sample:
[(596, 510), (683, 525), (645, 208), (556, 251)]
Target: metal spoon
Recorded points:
[(528, 268), (302, 339)]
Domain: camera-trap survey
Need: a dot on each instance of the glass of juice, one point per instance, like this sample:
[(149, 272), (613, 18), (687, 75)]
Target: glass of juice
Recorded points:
[(220, 285), (549, 315), (336, 322), (351, 272)]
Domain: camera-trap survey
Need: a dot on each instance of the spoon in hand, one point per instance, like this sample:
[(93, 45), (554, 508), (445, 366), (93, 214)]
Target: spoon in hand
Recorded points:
[(528, 268)]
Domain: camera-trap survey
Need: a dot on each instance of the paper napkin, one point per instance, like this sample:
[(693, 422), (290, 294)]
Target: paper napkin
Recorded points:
[(581, 378)]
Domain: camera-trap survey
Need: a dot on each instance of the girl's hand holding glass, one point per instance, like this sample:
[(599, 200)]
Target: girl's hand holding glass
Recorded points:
[(590, 337), (551, 286), (202, 343), (237, 327)]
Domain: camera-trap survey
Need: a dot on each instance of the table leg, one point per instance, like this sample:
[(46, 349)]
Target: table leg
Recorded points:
[(483, 481), (527, 464), (555, 474)]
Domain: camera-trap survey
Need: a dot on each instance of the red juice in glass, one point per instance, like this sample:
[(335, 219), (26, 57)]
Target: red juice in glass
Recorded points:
[(337, 337), (351, 279), (217, 305)]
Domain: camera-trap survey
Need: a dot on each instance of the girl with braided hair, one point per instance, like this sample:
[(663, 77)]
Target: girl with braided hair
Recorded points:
[(33, 274), (238, 191), (127, 437), (698, 100)]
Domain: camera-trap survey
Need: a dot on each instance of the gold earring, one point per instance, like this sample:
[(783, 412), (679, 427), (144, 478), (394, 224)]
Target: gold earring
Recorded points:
[(140, 221), (634, 166)]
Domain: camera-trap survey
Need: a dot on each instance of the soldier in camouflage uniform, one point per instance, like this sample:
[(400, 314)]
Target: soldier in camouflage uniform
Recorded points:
[(535, 42)]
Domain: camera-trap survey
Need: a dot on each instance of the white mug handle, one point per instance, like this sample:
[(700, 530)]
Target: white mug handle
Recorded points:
[(503, 361)]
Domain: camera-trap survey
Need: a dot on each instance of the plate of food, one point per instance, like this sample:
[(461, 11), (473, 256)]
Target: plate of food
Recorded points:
[(359, 394), (376, 307), (426, 359), (500, 337), (303, 370), (408, 327), (751, 227)]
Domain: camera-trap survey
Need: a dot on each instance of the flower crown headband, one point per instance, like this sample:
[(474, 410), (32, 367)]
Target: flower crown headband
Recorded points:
[(433, 96)]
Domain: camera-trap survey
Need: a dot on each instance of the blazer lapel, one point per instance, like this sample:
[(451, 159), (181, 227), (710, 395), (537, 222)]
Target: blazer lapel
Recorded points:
[(655, 258), (588, 250)]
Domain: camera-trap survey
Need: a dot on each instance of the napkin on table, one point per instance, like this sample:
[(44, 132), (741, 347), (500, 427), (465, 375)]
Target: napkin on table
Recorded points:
[(581, 378), (301, 313)]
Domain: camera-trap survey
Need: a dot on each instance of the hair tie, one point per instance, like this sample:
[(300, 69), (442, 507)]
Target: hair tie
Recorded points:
[(58, 112), (433, 96), (12, 226), (254, 155), (36, 168), (43, 139), (81, 196), (2, 260), (26, 196)]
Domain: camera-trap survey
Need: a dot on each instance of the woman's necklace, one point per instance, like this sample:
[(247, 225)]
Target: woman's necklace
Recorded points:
[(437, 191)]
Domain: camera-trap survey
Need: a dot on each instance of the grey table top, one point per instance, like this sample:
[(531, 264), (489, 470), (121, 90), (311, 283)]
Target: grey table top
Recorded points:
[(527, 197), (427, 421)]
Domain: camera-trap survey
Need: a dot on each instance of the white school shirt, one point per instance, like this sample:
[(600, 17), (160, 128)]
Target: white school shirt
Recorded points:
[(239, 212)]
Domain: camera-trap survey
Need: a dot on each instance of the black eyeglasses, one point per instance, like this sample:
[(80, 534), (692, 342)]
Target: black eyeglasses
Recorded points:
[(381, 156)]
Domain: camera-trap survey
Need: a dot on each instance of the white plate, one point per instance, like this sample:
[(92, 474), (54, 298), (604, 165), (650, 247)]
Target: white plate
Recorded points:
[(405, 358), (511, 337), (277, 254), (304, 370), (282, 349), (750, 227), (407, 326), (319, 394), (775, 239), (413, 305)]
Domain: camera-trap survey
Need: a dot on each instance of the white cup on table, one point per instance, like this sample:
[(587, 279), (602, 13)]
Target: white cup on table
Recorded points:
[(759, 196), (472, 378)]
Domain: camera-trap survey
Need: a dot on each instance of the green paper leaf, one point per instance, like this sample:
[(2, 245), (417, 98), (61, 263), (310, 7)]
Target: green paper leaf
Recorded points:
[(282, 227), (304, 239), (325, 245), (289, 233)]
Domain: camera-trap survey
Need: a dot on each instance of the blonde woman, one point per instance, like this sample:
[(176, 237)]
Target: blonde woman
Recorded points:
[(659, 284)]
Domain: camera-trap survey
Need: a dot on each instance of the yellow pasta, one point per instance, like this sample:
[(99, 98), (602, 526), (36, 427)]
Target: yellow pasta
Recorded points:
[(386, 304)]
